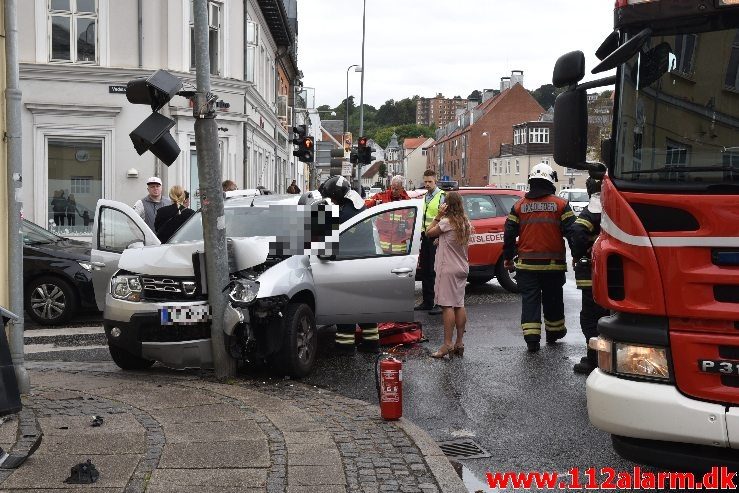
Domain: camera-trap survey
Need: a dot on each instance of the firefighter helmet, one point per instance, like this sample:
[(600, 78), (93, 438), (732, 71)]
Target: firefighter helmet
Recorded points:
[(544, 172), (337, 188), (592, 185)]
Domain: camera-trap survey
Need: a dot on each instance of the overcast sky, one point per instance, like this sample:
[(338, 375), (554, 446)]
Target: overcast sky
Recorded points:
[(450, 46)]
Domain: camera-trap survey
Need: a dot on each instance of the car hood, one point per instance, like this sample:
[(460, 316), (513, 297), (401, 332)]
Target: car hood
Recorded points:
[(176, 259), (66, 249)]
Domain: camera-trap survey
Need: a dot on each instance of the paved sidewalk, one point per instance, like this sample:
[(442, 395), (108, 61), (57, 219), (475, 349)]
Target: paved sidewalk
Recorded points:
[(166, 431)]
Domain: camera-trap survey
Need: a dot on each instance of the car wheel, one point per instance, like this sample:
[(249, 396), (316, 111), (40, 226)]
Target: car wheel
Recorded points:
[(505, 278), (297, 356), (128, 361), (50, 300), (479, 280)]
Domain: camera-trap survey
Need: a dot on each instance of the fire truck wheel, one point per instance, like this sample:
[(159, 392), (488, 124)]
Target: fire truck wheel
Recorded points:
[(506, 279), (128, 361), (297, 356)]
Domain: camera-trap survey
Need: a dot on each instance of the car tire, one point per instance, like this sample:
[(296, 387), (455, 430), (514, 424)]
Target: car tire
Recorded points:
[(505, 279), (128, 361), (297, 355), (478, 281), (50, 300)]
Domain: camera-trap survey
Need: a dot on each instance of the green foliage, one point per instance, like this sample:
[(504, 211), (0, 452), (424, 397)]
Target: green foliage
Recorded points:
[(477, 95), (382, 170), (546, 94), (382, 135)]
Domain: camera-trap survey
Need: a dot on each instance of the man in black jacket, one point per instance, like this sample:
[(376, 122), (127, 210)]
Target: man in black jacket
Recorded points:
[(586, 230)]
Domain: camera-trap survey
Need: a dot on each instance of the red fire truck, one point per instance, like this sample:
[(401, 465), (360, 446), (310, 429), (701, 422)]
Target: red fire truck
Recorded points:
[(667, 260)]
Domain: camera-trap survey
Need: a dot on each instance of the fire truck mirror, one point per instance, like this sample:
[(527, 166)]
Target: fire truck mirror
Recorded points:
[(571, 129), (654, 64)]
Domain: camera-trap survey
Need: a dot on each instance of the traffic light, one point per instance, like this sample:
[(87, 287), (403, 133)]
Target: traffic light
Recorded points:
[(306, 147), (353, 156), (364, 152), (153, 133), (337, 161)]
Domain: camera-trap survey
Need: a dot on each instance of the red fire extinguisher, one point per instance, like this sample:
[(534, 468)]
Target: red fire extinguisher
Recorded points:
[(389, 380)]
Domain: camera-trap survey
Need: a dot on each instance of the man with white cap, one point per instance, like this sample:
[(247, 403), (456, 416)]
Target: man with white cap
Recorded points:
[(148, 206)]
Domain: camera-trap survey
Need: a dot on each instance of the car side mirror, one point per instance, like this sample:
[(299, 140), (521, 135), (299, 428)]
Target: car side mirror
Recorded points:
[(136, 244)]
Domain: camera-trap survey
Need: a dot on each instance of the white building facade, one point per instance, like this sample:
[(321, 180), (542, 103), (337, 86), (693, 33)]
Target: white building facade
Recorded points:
[(76, 58)]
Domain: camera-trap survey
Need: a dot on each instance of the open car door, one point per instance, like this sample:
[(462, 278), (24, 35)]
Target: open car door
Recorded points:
[(116, 227), (372, 276)]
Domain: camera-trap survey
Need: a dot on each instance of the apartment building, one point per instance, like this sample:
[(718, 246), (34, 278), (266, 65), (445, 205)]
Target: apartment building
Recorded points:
[(76, 58), (438, 110)]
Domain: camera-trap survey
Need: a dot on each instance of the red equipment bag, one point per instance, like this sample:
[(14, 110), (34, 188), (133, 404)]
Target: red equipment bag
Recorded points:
[(394, 333)]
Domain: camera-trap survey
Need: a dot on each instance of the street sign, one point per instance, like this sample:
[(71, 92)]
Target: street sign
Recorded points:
[(346, 169)]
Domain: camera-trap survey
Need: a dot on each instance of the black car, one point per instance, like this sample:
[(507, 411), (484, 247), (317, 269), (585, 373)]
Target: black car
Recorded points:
[(57, 276)]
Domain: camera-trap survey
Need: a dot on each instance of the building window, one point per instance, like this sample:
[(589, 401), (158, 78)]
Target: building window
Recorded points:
[(508, 166), (685, 51), (214, 37), (676, 153), (518, 167), (73, 28), (732, 70), (75, 183), (539, 135)]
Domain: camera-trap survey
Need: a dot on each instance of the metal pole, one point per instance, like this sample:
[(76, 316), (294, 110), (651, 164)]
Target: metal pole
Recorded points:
[(211, 193), (346, 113), (361, 96), (15, 192)]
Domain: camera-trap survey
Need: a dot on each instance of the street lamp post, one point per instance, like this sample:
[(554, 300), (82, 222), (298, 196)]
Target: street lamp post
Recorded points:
[(361, 97), (346, 113), (486, 133)]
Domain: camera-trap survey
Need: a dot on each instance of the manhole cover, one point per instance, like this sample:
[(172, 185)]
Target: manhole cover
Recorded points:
[(463, 449)]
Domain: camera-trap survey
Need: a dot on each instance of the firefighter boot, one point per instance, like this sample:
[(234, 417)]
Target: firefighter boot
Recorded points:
[(554, 335), (532, 343), (372, 347), (587, 364)]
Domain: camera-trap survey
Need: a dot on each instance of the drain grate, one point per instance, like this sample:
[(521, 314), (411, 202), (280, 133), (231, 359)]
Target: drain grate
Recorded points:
[(463, 449)]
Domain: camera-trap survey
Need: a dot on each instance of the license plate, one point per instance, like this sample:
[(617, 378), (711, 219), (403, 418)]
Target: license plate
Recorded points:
[(184, 315), (720, 366)]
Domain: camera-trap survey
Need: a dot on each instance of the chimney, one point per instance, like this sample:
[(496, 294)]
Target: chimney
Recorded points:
[(505, 83), (516, 77), (487, 94)]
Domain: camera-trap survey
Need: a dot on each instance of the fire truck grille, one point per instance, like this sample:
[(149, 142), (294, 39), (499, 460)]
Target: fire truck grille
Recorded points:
[(157, 288)]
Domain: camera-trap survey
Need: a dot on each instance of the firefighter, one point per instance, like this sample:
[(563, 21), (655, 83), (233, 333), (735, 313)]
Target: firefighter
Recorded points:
[(394, 229), (539, 220), (432, 200), (586, 230), (338, 189)]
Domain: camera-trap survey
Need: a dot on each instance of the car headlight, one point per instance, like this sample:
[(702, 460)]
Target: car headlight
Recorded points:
[(636, 360), (243, 291), (126, 287), (86, 265)]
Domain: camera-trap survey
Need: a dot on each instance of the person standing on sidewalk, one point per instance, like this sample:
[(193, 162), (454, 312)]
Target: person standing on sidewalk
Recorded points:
[(338, 189), (586, 230), (540, 220), (170, 218), (432, 201), (148, 206), (453, 229)]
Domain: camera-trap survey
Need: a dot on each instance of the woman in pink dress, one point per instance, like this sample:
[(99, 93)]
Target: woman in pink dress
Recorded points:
[(453, 228)]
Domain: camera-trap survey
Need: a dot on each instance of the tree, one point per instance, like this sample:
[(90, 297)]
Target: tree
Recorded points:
[(545, 95), (476, 95), (382, 170)]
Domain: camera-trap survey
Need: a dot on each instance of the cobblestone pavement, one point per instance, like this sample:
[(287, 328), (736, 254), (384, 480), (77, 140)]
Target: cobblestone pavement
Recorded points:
[(168, 431)]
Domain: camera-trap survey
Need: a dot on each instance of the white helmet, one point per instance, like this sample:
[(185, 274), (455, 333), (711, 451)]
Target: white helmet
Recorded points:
[(544, 172)]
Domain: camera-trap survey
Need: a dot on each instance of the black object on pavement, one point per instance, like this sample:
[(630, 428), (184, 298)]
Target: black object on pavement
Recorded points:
[(83, 473), (97, 421)]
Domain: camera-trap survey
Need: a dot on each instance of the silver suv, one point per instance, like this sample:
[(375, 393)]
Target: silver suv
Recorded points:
[(154, 296)]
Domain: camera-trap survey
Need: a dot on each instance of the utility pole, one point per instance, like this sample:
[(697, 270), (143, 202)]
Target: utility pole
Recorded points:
[(361, 98), (211, 194)]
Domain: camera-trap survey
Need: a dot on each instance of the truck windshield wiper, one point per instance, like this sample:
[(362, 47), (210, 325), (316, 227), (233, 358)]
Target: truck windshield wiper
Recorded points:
[(672, 168)]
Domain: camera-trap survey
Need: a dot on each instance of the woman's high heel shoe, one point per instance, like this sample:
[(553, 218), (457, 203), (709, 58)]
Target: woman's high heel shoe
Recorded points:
[(459, 350), (444, 350)]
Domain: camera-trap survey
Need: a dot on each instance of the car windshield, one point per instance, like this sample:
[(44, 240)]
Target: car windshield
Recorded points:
[(276, 220), (678, 113), (578, 197), (34, 234)]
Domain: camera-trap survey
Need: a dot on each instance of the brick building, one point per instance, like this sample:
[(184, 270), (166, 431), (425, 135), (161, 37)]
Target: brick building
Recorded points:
[(438, 110), (464, 148)]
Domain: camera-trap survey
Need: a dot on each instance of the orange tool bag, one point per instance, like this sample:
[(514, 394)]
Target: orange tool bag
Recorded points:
[(395, 333)]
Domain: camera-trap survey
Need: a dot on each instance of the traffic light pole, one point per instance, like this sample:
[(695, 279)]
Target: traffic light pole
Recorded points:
[(211, 193)]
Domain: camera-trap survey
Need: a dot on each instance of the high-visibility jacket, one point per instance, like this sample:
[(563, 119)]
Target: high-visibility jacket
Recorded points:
[(586, 231), (394, 229), (431, 208), (540, 224)]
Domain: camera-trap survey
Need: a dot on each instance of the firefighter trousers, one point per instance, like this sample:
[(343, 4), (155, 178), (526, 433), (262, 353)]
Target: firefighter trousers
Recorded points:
[(345, 334), (590, 313), (541, 288)]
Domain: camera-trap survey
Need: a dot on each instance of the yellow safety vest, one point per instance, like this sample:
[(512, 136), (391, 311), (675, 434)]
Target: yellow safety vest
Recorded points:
[(431, 209)]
